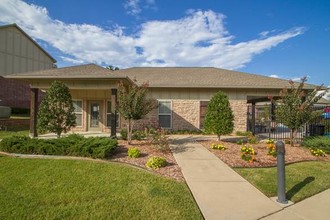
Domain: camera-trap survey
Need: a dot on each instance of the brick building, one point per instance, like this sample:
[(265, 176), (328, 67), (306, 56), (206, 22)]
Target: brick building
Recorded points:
[(19, 53), (182, 93)]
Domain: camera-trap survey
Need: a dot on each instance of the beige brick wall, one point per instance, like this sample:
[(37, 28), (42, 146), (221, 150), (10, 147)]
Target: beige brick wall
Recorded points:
[(150, 121), (185, 114), (239, 108)]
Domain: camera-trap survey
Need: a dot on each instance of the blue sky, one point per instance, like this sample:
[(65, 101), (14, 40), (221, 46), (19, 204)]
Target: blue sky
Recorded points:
[(286, 39)]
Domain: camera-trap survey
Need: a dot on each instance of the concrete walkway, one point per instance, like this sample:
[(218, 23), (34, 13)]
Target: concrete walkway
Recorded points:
[(315, 207), (223, 194)]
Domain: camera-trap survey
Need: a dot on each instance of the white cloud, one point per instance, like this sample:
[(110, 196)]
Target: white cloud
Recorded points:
[(199, 39), (132, 7), (274, 76)]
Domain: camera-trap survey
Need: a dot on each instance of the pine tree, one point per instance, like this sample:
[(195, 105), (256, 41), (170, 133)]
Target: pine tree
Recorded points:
[(219, 116), (56, 113)]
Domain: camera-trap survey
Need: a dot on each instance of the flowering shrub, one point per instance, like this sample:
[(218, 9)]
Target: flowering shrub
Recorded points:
[(271, 147), (247, 153), (218, 146), (317, 152)]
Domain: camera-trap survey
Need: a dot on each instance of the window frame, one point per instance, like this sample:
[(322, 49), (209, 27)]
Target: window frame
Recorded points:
[(79, 113), (166, 114)]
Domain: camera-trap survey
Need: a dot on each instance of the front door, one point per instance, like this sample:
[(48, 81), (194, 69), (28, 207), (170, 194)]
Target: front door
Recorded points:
[(95, 116)]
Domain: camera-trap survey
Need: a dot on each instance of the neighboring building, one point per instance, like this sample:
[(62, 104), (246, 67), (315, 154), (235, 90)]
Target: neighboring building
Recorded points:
[(182, 93), (19, 53)]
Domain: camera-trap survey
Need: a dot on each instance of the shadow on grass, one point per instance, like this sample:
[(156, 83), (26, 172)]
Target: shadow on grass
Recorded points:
[(296, 188)]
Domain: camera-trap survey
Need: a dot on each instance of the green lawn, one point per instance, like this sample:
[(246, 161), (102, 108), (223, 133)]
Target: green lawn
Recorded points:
[(57, 189), (302, 179), (4, 134)]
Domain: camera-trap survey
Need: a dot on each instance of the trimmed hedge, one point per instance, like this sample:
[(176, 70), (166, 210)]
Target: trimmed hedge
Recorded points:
[(73, 145), (321, 142)]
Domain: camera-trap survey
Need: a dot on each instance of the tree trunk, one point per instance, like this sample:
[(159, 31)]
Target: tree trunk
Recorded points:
[(292, 131), (130, 124), (219, 137), (129, 135)]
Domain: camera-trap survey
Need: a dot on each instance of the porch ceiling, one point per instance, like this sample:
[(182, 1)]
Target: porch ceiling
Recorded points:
[(256, 99)]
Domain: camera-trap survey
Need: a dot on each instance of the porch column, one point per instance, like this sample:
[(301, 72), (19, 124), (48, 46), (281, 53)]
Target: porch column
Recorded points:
[(113, 113), (253, 118), (33, 112)]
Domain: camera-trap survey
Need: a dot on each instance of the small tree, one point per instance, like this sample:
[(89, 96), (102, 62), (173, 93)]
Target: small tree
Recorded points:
[(113, 68), (56, 112), (295, 107), (133, 104), (219, 116)]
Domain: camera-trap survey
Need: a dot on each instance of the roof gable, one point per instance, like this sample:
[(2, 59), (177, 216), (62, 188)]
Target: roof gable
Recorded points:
[(28, 37)]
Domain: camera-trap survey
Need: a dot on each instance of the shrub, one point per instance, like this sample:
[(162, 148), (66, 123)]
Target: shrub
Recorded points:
[(123, 134), (156, 162), (240, 142), (271, 147), (160, 141), (320, 142), (96, 147), (11, 144), (138, 135), (253, 139), (244, 133), (317, 152), (218, 146), (247, 153), (133, 152), (76, 145)]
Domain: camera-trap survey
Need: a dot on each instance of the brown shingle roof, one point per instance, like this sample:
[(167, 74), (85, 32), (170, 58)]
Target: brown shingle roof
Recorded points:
[(88, 71), (201, 77), (171, 77)]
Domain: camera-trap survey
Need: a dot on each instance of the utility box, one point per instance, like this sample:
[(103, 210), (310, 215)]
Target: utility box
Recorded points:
[(5, 112)]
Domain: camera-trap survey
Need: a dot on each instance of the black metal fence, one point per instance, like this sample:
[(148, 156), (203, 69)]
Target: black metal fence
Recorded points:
[(264, 123)]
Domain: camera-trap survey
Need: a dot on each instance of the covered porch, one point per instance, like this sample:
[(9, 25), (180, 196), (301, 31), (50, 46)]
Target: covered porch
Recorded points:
[(94, 95)]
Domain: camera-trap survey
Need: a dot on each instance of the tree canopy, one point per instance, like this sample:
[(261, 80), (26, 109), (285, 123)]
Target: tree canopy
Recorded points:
[(133, 104), (295, 106), (56, 112), (219, 116)]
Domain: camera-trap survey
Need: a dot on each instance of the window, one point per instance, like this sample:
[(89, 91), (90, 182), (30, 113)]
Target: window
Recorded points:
[(202, 112), (109, 115), (77, 104), (165, 114)]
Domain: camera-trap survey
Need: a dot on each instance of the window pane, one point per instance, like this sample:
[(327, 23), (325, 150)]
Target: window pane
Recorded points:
[(164, 107), (108, 106), (109, 120), (165, 121), (78, 119), (77, 106)]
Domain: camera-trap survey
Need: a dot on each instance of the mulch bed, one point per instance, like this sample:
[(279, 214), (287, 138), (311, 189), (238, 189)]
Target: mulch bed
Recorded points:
[(232, 155), (172, 170)]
